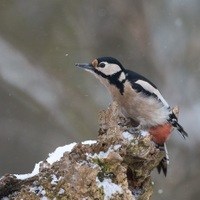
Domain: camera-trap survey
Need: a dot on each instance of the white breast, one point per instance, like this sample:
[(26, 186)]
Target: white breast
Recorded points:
[(148, 111)]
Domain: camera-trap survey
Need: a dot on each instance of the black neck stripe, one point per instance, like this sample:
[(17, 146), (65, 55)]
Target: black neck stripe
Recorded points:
[(114, 79)]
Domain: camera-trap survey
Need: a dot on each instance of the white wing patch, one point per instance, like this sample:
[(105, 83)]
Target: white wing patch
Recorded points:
[(148, 87)]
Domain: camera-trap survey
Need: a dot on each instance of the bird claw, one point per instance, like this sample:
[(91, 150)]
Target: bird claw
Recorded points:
[(135, 131)]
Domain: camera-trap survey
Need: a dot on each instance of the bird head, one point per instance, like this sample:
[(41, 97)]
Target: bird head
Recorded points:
[(107, 69)]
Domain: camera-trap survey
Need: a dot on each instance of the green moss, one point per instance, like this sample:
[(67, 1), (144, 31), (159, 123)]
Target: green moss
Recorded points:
[(106, 170)]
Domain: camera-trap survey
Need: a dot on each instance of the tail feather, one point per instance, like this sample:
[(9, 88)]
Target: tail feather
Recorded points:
[(162, 166), (174, 121), (181, 130)]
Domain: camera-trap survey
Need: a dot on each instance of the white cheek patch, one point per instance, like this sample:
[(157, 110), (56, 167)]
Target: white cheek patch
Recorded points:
[(109, 69), (151, 89)]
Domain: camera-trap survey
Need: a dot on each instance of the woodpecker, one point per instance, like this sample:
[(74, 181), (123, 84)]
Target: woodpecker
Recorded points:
[(139, 100)]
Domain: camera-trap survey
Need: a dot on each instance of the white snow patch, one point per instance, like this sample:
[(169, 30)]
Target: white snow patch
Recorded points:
[(89, 142), (127, 136), (117, 146), (55, 179), (44, 198), (29, 175), (92, 165), (144, 133), (53, 157), (101, 154), (61, 191), (109, 187), (58, 153), (5, 198), (39, 190)]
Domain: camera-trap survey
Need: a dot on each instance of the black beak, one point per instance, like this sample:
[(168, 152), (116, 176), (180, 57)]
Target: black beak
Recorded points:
[(87, 66)]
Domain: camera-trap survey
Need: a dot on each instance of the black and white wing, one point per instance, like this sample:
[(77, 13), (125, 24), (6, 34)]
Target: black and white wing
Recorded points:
[(142, 84)]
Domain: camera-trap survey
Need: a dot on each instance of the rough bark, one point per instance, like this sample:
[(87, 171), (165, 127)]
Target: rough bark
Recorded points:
[(117, 166)]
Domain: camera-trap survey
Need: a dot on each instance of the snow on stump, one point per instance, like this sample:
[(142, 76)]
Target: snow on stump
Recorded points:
[(116, 166)]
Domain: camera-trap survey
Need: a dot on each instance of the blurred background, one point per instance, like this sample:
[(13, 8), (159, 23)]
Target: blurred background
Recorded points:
[(46, 102)]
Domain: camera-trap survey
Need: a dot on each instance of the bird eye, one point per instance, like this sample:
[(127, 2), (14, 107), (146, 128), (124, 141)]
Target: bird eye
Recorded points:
[(102, 65)]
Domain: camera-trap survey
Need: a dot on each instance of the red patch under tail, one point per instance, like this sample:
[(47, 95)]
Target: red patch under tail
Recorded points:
[(160, 133)]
